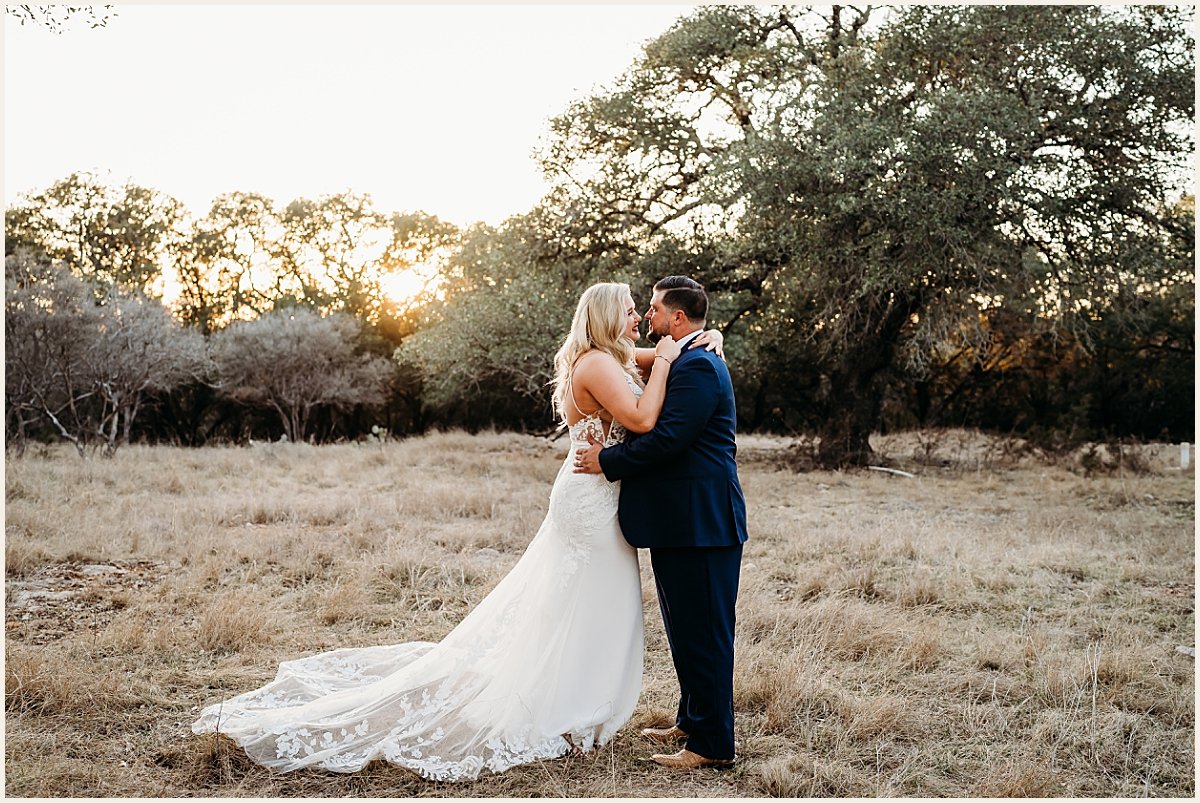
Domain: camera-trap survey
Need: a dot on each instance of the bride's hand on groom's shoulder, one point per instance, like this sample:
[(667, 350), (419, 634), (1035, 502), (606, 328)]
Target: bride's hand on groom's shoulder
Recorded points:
[(712, 340)]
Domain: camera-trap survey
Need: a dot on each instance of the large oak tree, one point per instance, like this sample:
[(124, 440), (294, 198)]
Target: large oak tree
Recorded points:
[(857, 186)]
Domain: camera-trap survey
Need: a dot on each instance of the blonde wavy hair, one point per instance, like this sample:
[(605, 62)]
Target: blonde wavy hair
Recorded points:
[(599, 323)]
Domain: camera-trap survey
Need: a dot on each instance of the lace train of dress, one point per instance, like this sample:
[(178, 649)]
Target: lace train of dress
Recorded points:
[(555, 648)]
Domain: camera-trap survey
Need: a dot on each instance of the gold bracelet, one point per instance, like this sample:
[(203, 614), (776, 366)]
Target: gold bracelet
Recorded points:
[(664, 359)]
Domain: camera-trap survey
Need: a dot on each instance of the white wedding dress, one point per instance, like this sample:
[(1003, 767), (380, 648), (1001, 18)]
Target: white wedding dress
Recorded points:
[(555, 648)]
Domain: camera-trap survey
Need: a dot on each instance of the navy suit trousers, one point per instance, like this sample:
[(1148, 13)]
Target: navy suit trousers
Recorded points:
[(701, 585)]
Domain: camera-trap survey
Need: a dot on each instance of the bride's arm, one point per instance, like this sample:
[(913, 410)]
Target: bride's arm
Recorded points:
[(644, 360), (711, 339), (603, 378)]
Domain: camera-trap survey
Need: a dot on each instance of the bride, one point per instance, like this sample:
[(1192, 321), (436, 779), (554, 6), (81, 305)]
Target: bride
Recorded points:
[(549, 662)]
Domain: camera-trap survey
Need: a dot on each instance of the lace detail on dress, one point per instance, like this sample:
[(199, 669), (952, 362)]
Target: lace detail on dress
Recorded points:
[(594, 425), (429, 729), (586, 502), (555, 648)]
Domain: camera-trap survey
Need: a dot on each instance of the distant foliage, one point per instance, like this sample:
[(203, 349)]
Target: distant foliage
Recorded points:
[(82, 368), (1132, 380), (294, 362), (248, 256), (486, 362), (118, 238), (223, 267), (486, 353), (910, 216)]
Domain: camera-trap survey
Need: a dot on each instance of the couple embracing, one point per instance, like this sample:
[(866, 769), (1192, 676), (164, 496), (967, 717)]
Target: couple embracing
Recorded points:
[(550, 661)]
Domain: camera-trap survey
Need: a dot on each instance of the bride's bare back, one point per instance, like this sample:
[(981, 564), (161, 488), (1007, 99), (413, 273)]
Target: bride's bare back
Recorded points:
[(599, 386)]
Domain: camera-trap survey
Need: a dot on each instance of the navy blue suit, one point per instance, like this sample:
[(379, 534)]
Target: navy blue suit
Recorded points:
[(681, 498)]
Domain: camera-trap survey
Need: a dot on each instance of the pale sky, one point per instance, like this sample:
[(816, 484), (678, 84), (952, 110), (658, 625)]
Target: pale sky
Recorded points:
[(433, 108)]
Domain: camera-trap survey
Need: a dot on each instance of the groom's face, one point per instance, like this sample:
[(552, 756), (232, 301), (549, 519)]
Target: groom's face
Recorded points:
[(658, 319)]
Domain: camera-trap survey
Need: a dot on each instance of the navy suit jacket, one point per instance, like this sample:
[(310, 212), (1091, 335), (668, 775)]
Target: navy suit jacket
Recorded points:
[(679, 482)]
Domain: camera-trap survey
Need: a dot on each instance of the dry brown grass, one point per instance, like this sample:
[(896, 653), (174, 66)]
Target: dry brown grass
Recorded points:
[(998, 626), (234, 623)]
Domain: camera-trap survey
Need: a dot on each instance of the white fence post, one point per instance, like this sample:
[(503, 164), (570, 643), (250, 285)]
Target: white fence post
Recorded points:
[(1185, 455)]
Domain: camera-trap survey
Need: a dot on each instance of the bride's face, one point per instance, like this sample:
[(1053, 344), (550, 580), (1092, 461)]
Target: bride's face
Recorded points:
[(632, 319)]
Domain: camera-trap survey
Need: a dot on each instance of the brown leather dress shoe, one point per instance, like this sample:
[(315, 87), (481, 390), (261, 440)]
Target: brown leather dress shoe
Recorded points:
[(671, 735), (687, 760)]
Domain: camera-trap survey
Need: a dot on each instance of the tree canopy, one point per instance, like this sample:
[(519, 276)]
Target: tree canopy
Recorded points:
[(871, 183), (914, 215), (57, 18), (116, 237)]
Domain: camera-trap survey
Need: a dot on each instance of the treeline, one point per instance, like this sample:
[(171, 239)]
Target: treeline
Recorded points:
[(127, 318), (928, 216), (94, 356)]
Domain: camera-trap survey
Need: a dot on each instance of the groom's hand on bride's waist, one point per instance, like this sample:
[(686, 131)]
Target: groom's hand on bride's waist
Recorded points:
[(587, 461)]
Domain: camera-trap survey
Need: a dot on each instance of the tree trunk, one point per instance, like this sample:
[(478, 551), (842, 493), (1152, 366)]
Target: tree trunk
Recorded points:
[(924, 401), (845, 434), (856, 387), (288, 419), (18, 438), (302, 423), (130, 415), (80, 443), (110, 437)]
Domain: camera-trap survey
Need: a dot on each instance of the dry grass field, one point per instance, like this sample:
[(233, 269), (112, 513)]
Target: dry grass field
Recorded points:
[(996, 626)]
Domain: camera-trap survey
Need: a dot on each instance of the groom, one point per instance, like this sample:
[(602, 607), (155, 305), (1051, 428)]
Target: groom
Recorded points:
[(680, 496)]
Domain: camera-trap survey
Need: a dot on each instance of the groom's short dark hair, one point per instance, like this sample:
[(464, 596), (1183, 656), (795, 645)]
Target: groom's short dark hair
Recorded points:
[(682, 293)]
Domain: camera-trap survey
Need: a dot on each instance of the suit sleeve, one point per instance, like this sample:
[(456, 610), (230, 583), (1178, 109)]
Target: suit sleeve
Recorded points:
[(692, 397)]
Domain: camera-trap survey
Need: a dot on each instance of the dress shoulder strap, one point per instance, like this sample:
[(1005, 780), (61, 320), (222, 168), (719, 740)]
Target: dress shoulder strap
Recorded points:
[(571, 394)]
